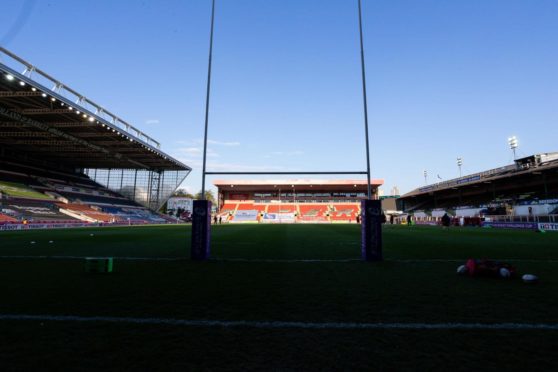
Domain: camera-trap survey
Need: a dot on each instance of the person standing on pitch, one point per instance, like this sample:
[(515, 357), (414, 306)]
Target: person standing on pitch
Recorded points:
[(446, 220)]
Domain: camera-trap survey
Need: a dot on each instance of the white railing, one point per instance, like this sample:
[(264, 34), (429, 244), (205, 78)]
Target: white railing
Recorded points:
[(40, 77)]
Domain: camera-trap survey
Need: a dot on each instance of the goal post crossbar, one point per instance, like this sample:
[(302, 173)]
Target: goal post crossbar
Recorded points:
[(281, 173)]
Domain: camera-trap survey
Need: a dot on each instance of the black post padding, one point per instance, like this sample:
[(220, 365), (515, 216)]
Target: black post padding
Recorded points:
[(371, 227), (201, 230)]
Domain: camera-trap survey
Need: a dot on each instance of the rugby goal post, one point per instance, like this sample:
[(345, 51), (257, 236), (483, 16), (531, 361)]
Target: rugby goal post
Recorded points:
[(371, 222)]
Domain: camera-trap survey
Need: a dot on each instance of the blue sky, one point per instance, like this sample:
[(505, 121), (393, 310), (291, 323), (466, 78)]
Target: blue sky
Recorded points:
[(445, 79)]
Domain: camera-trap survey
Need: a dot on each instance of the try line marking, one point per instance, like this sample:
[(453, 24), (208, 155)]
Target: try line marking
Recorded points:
[(280, 324), (268, 260)]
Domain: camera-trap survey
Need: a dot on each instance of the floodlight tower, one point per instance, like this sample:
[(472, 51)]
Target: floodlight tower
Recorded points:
[(512, 141), (459, 164), (425, 174)]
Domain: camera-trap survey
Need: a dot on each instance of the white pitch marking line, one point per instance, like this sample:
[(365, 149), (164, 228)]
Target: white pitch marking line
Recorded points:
[(268, 260), (83, 257), (281, 325), (279, 260)]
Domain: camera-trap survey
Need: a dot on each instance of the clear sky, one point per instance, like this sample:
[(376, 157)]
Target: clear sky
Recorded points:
[(445, 79)]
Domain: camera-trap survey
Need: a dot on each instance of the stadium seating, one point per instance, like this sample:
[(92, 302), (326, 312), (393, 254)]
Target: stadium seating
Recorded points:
[(86, 213), (38, 195), (37, 211), (99, 200), (133, 215), (281, 208), (227, 211), (261, 208), (344, 212), (289, 212), (313, 213), (245, 206), (19, 190), (4, 218)]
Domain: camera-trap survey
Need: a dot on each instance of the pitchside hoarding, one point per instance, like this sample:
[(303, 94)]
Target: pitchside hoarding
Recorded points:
[(548, 226), (511, 225), (185, 204)]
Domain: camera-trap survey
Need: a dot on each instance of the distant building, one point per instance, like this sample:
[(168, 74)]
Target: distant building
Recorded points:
[(299, 200)]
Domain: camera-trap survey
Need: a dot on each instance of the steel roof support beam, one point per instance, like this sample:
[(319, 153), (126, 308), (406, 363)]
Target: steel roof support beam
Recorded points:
[(10, 94), (44, 127)]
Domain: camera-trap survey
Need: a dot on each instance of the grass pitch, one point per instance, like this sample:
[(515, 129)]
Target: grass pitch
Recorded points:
[(259, 274)]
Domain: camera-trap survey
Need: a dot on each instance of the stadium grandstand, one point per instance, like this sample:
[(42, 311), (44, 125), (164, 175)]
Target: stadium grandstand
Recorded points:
[(65, 160), (523, 192), (290, 201)]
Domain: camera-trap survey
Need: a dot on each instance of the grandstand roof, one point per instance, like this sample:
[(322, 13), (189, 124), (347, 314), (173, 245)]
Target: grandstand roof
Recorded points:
[(262, 185), (535, 174), (59, 125)]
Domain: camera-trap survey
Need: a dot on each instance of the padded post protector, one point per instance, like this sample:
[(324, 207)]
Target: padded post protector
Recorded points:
[(371, 229), (201, 230)]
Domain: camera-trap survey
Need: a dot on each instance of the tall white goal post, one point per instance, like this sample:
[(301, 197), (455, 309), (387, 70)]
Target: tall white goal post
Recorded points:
[(371, 224)]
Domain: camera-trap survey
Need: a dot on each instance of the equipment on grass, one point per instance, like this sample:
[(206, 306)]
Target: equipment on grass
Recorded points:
[(98, 264), (490, 268), (530, 278)]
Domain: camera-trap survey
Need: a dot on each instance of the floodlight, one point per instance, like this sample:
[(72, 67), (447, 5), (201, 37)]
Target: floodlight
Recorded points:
[(513, 142), (9, 77), (91, 119), (43, 95), (22, 83), (33, 89)]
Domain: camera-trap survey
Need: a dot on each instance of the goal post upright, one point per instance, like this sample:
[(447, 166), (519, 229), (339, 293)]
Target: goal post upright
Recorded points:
[(201, 216), (371, 226), (371, 210)]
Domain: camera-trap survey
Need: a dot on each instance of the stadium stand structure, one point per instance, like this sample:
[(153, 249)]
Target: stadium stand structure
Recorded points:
[(526, 191), (291, 201), (65, 159)]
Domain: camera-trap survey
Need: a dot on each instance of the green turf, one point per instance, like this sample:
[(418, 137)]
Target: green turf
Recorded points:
[(416, 283), (20, 190)]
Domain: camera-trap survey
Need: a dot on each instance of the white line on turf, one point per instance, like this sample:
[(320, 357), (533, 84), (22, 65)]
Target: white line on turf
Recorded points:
[(43, 257), (269, 260), (279, 260), (280, 324)]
